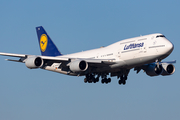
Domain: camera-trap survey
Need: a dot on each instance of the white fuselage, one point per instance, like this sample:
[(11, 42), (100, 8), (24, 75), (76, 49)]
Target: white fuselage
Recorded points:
[(129, 53)]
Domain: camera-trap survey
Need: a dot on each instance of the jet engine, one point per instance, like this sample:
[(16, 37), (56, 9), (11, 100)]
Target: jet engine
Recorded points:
[(154, 70), (168, 69), (78, 66), (34, 62)]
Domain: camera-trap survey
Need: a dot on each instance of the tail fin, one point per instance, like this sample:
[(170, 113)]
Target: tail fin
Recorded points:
[(47, 47)]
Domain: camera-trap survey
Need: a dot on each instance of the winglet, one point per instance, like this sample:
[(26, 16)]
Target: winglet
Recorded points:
[(47, 47)]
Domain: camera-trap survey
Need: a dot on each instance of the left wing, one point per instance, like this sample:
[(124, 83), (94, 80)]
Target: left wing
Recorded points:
[(157, 68)]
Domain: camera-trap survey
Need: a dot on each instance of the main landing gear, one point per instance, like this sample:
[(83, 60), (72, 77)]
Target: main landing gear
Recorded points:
[(105, 80), (122, 80), (92, 79)]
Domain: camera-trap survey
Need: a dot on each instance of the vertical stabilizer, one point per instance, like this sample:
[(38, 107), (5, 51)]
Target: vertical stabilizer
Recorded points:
[(47, 47)]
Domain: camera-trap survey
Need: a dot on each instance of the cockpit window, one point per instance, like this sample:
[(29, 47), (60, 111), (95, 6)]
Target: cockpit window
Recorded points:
[(160, 36)]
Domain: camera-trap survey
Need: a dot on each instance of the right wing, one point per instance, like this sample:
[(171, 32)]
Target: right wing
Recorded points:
[(24, 57)]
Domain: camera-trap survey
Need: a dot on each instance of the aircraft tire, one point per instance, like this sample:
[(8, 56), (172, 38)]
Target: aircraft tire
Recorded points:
[(97, 79), (90, 81), (106, 81), (124, 82), (85, 80), (102, 81), (120, 82), (109, 80)]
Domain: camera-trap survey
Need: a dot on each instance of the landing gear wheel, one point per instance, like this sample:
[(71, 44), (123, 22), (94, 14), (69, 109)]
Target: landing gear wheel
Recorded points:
[(102, 81), (85, 80), (124, 82), (97, 79), (119, 82), (89, 81), (109, 80)]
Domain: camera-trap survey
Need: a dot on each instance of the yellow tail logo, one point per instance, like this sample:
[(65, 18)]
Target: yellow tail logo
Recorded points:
[(43, 42)]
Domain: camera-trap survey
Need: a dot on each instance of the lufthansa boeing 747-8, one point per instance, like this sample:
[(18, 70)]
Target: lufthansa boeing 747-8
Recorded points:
[(141, 53)]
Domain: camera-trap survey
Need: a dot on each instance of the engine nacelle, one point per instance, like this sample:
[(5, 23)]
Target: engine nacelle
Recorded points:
[(34, 62), (168, 69), (78, 66), (153, 70)]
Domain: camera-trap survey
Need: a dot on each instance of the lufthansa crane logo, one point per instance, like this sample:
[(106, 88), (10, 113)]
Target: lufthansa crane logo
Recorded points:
[(43, 42)]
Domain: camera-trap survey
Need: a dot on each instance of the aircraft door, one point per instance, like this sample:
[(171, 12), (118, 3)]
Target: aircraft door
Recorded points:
[(118, 54), (145, 48)]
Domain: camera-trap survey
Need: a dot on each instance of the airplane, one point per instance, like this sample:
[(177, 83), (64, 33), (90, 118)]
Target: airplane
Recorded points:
[(141, 53)]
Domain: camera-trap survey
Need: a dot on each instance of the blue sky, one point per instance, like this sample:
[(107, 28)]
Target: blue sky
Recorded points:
[(82, 25)]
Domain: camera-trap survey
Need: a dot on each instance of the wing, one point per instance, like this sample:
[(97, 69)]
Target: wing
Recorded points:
[(12, 55), (49, 59), (167, 66)]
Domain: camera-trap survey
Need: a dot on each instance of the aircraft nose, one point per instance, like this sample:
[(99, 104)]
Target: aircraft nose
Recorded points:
[(169, 47)]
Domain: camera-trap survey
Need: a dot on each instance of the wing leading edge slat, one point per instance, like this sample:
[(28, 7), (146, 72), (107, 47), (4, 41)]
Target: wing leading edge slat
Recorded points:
[(58, 58)]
